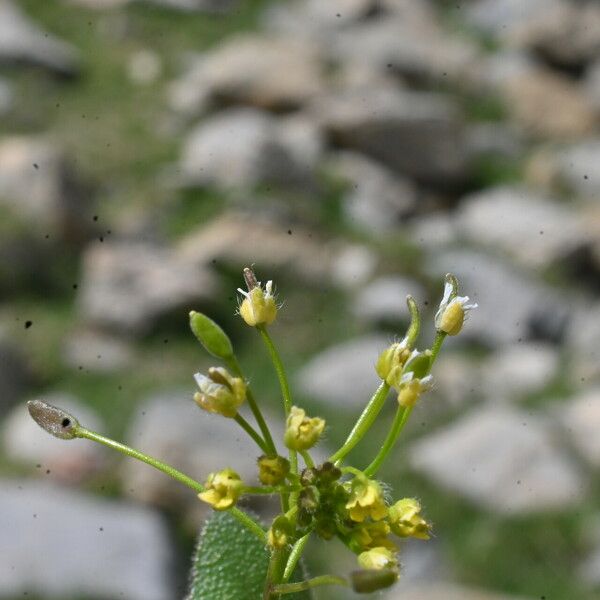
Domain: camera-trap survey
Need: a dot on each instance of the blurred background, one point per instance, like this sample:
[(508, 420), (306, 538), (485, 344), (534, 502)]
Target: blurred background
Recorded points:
[(354, 151)]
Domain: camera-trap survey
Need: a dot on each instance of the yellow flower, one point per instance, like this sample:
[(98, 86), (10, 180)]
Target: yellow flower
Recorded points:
[(220, 392), (406, 520), (411, 388), (366, 500), (391, 361), (302, 432), (370, 535), (258, 306), (222, 489), (272, 470), (378, 558)]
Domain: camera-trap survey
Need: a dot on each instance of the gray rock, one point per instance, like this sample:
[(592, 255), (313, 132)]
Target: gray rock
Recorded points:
[(37, 187), (202, 6), (416, 47), (512, 305), (385, 299), (591, 84), (432, 231), (457, 382), (376, 198), (97, 351), (144, 67), (581, 417), (503, 460), (24, 442), (60, 543), (582, 343), (126, 286), (21, 41), (446, 591), (265, 72), (566, 32), (238, 149), (519, 370), (575, 165), (414, 133), (535, 230), (265, 243), (343, 376)]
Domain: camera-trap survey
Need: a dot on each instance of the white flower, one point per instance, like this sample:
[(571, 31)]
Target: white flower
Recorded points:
[(451, 313), (412, 387)]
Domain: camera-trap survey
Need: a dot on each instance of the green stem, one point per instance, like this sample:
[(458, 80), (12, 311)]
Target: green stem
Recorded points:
[(274, 573), (301, 586), (401, 417), (307, 458), (251, 432), (283, 384), (364, 423), (270, 490), (235, 366), (294, 557), (242, 517)]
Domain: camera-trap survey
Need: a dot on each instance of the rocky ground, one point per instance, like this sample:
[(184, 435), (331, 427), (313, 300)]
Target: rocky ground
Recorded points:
[(354, 151)]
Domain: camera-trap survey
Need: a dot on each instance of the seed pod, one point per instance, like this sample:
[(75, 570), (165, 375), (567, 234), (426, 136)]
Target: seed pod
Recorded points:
[(366, 581), (55, 421), (211, 336)]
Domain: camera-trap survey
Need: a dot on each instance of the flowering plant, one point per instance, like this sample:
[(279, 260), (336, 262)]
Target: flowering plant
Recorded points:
[(236, 556)]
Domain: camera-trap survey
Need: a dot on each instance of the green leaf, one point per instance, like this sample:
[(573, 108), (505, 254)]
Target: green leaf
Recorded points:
[(230, 563)]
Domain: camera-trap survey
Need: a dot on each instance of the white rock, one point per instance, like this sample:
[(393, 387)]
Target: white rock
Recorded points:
[(417, 134), (24, 442), (60, 543), (503, 460), (385, 299), (97, 352), (128, 285), (265, 244), (377, 198), (582, 343), (581, 417), (515, 371), (353, 266), (144, 67), (238, 149), (21, 41), (36, 187), (535, 230), (343, 376), (265, 72)]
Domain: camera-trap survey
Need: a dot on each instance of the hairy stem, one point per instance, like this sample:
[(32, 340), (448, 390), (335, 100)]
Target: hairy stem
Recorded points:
[(235, 366), (242, 517), (301, 586), (364, 423), (251, 432)]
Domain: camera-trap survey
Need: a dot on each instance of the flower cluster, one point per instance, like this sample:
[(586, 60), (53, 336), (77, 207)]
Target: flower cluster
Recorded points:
[(331, 499)]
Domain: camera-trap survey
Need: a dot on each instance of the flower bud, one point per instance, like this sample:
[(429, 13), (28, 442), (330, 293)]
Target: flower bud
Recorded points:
[(370, 535), (55, 421), (302, 432), (220, 392), (378, 558), (280, 533), (258, 306), (211, 336), (272, 470), (370, 580), (392, 360), (222, 489), (366, 500), (411, 388), (406, 521), (308, 500), (451, 314)]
